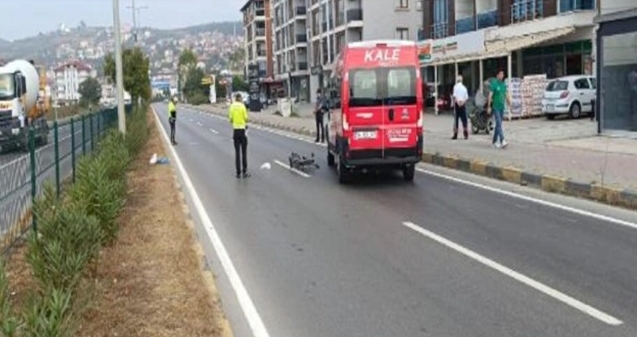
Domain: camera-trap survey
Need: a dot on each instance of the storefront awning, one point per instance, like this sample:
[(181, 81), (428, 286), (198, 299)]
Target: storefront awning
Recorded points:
[(500, 48), (505, 46)]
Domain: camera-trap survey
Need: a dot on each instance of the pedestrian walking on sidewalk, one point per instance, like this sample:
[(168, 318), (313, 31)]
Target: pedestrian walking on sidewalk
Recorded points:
[(238, 117), (319, 112), (460, 97), (498, 97), (172, 118)]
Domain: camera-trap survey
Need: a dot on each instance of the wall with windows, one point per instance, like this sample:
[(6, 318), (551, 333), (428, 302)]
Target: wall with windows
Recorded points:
[(383, 19)]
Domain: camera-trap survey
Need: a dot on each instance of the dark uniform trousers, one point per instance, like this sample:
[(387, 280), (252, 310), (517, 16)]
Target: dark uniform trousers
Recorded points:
[(240, 150)]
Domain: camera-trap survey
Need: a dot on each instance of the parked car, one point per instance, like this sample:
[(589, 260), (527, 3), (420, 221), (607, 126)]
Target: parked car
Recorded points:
[(569, 95)]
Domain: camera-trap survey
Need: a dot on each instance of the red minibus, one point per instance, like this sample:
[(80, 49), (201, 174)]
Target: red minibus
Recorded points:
[(377, 118)]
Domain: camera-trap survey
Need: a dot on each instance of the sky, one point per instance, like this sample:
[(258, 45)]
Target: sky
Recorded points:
[(24, 18)]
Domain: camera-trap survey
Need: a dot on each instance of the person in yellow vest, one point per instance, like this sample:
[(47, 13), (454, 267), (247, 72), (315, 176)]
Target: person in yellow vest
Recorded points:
[(238, 117), (172, 118)]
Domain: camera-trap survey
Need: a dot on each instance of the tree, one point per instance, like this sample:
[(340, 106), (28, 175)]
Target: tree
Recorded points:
[(238, 84), (136, 67), (187, 59), (193, 85), (236, 60), (90, 91)]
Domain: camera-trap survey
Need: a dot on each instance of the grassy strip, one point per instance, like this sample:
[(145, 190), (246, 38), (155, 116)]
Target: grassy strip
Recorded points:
[(71, 233)]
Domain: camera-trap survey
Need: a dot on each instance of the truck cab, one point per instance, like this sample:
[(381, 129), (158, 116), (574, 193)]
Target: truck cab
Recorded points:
[(19, 108), (377, 98)]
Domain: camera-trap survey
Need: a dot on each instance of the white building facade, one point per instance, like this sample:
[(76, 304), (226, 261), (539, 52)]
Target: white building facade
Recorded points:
[(68, 78), (309, 34)]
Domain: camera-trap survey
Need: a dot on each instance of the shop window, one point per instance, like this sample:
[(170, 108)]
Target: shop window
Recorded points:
[(618, 82)]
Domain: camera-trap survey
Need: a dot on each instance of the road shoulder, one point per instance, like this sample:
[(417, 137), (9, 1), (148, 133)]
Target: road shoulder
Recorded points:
[(154, 280)]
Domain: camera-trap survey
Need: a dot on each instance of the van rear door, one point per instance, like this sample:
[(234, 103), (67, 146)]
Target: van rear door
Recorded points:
[(365, 110), (400, 110)]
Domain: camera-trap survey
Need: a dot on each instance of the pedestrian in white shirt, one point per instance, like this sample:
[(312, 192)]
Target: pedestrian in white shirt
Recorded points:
[(460, 98)]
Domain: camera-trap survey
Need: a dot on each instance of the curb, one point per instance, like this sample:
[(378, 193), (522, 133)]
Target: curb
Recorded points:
[(626, 198), (617, 197)]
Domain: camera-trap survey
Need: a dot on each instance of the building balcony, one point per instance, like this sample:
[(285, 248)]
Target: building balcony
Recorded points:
[(301, 38), (465, 25), (488, 19), (354, 15), (302, 66), (440, 30), (301, 11), (576, 5), (261, 53), (260, 32), (527, 10)]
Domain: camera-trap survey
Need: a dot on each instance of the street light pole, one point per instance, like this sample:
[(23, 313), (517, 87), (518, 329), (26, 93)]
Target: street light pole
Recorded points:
[(119, 73)]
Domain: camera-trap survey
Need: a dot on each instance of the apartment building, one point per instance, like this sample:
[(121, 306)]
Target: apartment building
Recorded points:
[(291, 46), (616, 51), (475, 38), (309, 34), (68, 78), (257, 26)]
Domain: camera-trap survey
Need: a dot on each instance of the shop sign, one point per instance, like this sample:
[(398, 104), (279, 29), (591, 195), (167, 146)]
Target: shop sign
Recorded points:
[(463, 44)]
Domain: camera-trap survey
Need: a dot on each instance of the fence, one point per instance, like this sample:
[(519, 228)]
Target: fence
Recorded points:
[(47, 156)]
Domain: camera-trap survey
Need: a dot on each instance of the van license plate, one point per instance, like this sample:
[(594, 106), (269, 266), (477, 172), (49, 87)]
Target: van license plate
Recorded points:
[(365, 135)]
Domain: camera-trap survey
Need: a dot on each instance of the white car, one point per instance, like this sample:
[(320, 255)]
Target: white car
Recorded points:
[(572, 95)]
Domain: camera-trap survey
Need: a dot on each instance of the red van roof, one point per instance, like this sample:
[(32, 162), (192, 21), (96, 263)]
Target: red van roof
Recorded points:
[(381, 53)]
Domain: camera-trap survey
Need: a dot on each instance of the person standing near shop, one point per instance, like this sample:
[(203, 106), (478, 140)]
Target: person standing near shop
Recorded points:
[(460, 97), (238, 117), (498, 97), (319, 113), (172, 118)]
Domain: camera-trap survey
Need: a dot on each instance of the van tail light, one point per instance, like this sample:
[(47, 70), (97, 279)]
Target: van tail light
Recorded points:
[(564, 94), (345, 123)]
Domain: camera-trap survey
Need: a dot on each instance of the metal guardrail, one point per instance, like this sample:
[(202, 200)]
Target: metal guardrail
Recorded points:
[(53, 158)]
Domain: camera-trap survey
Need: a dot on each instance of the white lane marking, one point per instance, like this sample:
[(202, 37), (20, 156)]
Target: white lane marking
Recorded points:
[(199, 123), (583, 307), (248, 307), (533, 200), (214, 131), (574, 210), (191, 120), (291, 169)]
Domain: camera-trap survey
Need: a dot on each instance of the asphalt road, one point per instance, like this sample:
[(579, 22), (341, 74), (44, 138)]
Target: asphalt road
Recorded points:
[(383, 257)]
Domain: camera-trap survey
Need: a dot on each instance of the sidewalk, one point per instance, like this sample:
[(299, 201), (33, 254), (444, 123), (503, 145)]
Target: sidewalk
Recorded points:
[(562, 156)]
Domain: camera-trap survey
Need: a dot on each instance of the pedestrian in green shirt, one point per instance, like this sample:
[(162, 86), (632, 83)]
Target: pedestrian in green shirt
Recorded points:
[(498, 97)]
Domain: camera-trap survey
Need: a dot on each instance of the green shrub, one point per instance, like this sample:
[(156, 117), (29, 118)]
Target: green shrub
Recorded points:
[(137, 130), (8, 323), (115, 156), (50, 314), (97, 194), (198, 99), (68, 238)]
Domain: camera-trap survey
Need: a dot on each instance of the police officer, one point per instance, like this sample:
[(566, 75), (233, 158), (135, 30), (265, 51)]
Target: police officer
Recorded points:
[(238, 117), (319, 111), (172, 119)]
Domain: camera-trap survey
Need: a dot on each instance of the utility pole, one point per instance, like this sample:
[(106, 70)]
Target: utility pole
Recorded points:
[(136, 12), (119, 73)]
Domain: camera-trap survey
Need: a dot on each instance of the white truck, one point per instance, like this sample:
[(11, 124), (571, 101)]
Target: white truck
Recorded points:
[(22, 105)]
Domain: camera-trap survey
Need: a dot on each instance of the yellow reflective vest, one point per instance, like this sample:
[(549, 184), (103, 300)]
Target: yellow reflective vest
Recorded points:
[(172, 110), (238, 115)]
